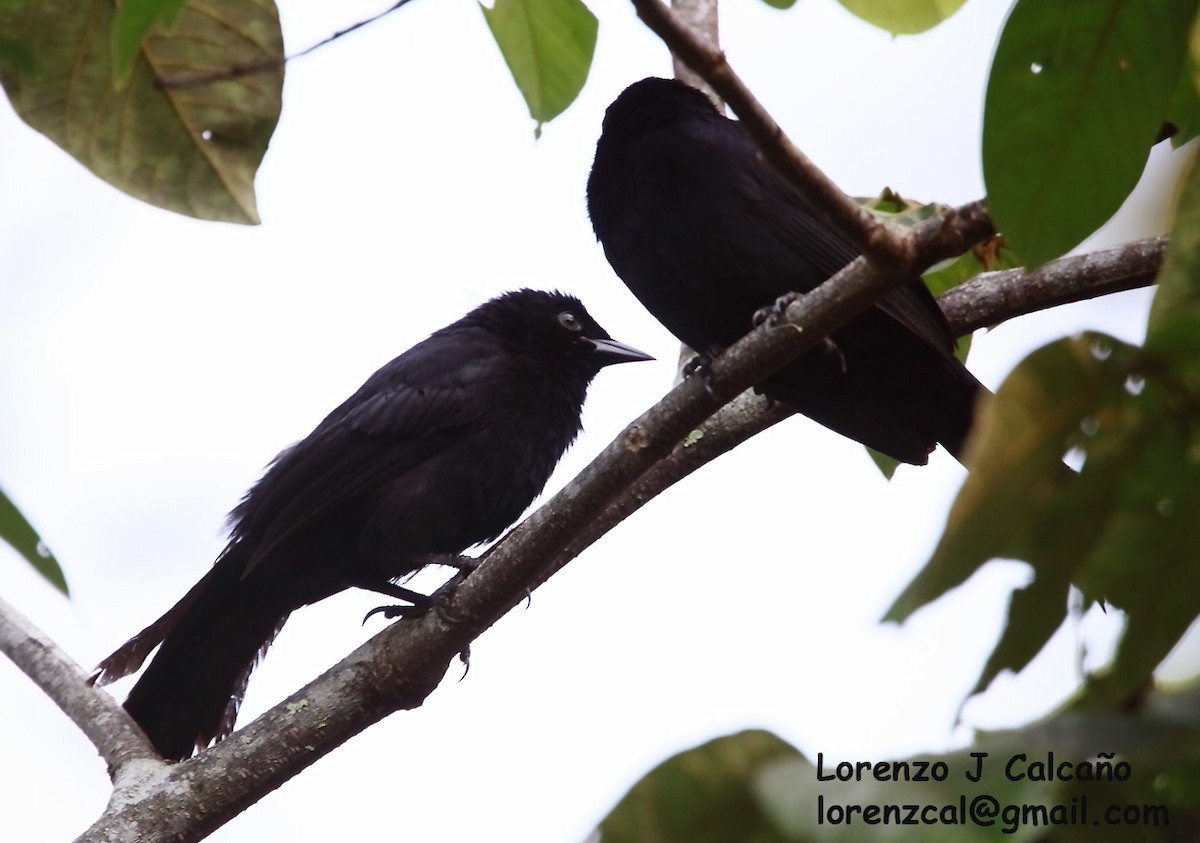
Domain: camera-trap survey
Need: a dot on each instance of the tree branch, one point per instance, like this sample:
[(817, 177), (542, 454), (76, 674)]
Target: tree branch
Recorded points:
[(993, 297), (702, 18), (106, 725)]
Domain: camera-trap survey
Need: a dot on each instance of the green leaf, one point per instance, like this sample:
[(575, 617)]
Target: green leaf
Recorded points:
[(887, 465), (1183, 113), (18, 533), (780, 4), (1077, 93), (1144, 561), (134, 19), (903, 17), (1021, 502), (548, 46), (1194, 53), (1018, 487), (1176, 306), (704, 795), (1121, 529), (14, 54), (190, 148), (1150, 449)]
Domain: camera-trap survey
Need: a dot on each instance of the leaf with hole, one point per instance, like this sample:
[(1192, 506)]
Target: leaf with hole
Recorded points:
[(1076, 96)]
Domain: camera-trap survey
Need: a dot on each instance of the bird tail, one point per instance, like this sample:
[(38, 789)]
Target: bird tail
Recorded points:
[(212, 640), (957, 417)]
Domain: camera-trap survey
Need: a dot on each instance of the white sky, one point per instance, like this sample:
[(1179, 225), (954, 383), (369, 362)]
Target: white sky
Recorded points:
[(151, 365)]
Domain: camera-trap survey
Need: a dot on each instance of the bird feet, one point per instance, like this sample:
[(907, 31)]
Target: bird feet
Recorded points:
[(829, 347), (416, 610), (420, 604), (774, 314), (439, 601), (700, 365)]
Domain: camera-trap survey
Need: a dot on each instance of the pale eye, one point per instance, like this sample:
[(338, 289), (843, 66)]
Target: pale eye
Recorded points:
[(570, 321)]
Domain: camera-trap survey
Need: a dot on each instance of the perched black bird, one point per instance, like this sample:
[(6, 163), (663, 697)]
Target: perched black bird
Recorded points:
[(441, 449), (705, 233)]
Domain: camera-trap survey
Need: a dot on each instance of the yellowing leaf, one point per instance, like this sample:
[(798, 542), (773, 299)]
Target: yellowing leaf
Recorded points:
[(903, 17), (193, 148)]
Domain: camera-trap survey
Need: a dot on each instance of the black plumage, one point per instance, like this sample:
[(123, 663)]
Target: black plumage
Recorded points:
[(705, 233), (441, 449)]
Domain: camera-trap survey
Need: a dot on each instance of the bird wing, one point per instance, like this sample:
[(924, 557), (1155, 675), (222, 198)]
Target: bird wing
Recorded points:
[(408, 411), (782, 210)]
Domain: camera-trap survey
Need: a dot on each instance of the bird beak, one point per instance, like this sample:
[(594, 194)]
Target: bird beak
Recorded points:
[(611, 351)]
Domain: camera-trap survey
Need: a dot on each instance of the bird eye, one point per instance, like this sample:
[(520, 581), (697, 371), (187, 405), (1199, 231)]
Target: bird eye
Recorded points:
[(570, 321)]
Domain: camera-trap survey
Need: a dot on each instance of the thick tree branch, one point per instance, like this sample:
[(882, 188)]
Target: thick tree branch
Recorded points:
[(96, 714)]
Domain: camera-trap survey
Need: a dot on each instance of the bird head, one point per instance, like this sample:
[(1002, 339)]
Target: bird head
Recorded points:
[(556, 325)]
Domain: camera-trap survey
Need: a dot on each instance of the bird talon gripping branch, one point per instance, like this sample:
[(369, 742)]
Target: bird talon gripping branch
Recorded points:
[(397, 611), (701, 366), (774, 315)]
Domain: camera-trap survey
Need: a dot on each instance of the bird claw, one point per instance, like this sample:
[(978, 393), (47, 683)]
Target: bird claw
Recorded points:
[(776, 313), (439, 601), (397, 611), (700, 365), (773, 315), (828, 346), (436, 601)]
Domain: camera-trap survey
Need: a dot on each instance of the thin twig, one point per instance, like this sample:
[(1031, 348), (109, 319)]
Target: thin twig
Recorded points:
[(237, 71), (993, 297)]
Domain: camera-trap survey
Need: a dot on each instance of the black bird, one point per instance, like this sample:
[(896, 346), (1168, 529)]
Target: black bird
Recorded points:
[(441, 449), (705, 233)]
